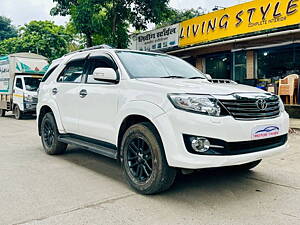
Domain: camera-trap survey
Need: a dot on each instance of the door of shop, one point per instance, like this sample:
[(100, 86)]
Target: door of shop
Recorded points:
[(219, 65)]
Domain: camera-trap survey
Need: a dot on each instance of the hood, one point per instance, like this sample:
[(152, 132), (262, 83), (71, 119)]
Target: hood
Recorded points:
[(200, 86)]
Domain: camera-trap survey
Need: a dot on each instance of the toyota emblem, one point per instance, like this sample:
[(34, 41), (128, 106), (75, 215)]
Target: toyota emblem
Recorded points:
[(261, 104)]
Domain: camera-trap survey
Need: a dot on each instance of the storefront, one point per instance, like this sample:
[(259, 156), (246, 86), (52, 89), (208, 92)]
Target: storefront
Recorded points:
[(256, 43)]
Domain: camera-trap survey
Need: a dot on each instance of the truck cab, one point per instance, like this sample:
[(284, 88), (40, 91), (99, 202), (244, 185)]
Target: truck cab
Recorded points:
[(25, 94)]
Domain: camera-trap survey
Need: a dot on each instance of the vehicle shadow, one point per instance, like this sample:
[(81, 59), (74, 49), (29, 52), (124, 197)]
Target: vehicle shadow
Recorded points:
[(25, 117), (206, 182)]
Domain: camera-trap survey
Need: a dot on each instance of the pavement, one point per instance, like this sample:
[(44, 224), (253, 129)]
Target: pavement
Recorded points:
[(82, 188), (295, 123)]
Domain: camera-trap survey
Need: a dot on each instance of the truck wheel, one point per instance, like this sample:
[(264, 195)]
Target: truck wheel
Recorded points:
[(143, 160), (18, 113), (2, 112), (247, 166), (49, 136)]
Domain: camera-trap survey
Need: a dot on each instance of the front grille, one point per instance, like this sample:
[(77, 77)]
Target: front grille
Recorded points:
[(246, 108)]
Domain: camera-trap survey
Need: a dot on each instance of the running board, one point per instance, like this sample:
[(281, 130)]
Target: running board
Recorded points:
[(93, 147)]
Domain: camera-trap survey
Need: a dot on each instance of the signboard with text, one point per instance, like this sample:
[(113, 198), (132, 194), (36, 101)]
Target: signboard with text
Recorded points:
[(163, 38), (245, 18)]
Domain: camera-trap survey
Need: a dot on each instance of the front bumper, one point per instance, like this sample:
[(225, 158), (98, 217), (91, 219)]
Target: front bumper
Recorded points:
[(174, 124), (30, 107)]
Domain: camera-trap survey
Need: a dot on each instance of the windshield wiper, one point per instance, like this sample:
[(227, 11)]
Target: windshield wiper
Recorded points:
[(197, 78), (173, 76)]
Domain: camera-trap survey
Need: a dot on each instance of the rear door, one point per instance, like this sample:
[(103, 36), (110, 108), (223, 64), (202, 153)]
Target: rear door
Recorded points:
[(99, 105), (66, 93)]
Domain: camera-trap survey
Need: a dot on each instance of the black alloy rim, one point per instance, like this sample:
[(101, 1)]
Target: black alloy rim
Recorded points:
[(139, 159), (48, 133)]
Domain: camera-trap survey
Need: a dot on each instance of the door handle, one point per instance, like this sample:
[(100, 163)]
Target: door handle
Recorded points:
[(54, 91), (83, 93)]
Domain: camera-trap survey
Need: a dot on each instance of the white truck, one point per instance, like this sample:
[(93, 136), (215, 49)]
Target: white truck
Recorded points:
[(20, 76)]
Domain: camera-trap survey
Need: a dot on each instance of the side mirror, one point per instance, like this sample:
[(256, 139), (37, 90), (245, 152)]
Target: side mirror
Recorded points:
[(105, 74), (208, 77)]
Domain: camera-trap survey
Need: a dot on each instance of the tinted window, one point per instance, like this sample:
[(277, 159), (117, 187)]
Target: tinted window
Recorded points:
[(73, 72), (99, 62), (19, 83)]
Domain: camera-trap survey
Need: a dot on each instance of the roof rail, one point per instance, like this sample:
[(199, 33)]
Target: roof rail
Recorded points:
[(91, 48)]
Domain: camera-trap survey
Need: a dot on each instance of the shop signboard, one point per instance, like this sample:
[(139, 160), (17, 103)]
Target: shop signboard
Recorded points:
[(158, 39), (245, 18)]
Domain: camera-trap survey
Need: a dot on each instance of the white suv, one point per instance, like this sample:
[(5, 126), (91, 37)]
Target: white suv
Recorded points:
[(156, 114)]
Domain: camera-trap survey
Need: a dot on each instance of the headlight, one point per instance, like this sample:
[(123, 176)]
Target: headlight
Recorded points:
[(203, 104), (28, 98), (281, 105)]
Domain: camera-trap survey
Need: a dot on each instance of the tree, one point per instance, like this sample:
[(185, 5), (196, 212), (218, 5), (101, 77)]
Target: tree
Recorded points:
[(109, 20), (41, 37), (173, 16), (7, 30)]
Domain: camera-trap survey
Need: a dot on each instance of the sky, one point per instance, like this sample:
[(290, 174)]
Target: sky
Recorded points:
[(23, 11)]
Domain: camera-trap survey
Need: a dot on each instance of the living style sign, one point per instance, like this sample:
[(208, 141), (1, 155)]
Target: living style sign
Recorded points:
[(240, 19)]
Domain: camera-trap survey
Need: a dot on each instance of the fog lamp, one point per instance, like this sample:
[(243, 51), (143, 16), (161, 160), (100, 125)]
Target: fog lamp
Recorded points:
[(200, 144)]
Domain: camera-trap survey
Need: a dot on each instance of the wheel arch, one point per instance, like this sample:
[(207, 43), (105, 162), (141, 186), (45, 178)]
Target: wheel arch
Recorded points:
[(42, 112)]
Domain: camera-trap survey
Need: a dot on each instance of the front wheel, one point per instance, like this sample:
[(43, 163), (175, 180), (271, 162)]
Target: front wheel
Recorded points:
[(18, 113), (49, 136), (2, 112), (143, 160)]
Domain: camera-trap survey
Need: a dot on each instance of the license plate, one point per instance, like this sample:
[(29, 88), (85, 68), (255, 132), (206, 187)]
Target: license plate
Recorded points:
[(265, 131)]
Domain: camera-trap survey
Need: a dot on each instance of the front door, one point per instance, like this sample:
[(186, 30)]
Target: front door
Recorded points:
[(18, 93), (66, 94), (99, 104)]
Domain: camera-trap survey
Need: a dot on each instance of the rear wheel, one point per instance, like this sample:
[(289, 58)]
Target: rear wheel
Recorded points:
[(143, 160), (18, 113), (2, 112), (49, 136)]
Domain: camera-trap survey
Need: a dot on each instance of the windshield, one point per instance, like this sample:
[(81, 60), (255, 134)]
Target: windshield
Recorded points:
[(148, 65), (32, 84)]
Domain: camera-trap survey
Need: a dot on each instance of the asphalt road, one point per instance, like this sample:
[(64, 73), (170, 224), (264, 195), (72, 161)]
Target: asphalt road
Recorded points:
[(84, 188)]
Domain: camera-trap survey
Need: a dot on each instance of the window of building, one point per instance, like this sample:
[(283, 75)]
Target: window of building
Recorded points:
[(276, 63), (219, 66), (240, 66)]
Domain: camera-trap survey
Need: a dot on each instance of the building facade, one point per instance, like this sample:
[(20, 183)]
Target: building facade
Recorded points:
[(256, 43)]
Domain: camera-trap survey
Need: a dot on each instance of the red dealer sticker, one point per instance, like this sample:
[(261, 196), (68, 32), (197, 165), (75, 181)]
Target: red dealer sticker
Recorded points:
[(268, 131)]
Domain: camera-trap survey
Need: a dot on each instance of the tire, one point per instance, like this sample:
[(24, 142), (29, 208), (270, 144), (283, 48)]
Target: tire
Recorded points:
[(49, 136), (143, 160), (2, 112), (18, 113), (247, 166)]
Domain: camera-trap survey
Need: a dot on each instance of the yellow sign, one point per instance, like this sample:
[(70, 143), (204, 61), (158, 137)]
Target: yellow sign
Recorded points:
[(245, 18)]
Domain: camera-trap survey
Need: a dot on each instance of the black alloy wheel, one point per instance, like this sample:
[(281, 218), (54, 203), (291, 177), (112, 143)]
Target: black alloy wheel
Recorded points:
[(48, 133), (50, 136), (139, 159)]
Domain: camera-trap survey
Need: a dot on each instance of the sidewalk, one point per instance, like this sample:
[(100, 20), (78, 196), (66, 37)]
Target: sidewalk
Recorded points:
[(295, 123)]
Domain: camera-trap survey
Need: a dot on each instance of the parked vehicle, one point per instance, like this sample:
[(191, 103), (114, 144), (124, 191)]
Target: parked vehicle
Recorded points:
[(156, 114), (20, 76)]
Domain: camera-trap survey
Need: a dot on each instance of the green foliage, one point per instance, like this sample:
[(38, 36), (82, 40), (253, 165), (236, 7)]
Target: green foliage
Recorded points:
[(41, 37), (173, 16), (7, 30), (108, 21)]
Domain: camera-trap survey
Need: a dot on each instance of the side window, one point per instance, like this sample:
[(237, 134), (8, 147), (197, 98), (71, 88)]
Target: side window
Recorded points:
[(72, 73), (19, 83), (99, 62), (48, 73)]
